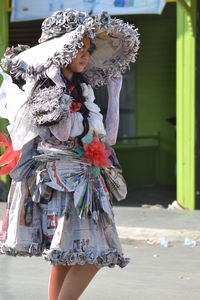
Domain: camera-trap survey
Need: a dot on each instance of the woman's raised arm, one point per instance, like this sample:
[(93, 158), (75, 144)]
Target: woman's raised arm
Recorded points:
[(62, 130), (112, 115)]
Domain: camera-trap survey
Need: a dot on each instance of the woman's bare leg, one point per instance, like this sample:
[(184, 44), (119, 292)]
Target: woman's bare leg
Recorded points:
[(56, 279), (76, 281)]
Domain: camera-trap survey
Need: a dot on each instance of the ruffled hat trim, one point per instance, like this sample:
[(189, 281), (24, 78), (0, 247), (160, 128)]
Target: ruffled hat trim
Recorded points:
[(116, 42)]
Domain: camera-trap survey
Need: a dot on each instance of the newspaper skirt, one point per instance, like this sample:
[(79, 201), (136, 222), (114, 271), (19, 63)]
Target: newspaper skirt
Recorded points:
[(44, 217)]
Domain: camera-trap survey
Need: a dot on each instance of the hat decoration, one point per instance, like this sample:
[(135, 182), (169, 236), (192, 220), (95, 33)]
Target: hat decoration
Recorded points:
[(116, 45)]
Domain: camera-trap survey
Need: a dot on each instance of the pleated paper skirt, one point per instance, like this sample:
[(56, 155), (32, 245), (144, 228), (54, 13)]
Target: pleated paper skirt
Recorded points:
[(52, 229)]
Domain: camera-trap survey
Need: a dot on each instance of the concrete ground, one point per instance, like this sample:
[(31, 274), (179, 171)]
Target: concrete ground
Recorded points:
[(154, 273)]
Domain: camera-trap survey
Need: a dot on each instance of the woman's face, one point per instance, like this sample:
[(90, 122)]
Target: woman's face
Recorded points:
[(79, 63)]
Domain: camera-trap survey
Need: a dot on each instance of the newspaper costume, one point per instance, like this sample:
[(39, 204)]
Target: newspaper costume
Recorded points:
[(60, 200)]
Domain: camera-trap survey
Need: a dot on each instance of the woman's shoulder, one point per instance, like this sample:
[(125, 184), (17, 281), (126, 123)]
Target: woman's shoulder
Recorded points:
[(48, 103)]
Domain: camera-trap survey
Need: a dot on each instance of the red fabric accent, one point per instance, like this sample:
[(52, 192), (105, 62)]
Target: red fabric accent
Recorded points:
[(76, 106), (97, 153), (8, 155), (3, 140), (9, 158), (8, 168)]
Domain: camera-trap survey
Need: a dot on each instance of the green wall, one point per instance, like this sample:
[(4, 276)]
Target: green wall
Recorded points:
[(155, 82), (139, 164), (3, 27)]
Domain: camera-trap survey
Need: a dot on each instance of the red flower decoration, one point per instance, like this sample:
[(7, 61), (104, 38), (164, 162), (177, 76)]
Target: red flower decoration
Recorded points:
[(76, 106), (10, 157), (96, 153)]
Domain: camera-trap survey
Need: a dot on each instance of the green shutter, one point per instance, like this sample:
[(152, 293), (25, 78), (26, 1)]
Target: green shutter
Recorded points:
[(155, 88)]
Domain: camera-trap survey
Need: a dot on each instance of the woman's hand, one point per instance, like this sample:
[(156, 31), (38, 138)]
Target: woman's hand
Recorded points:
[(114, 84), (62, 130)]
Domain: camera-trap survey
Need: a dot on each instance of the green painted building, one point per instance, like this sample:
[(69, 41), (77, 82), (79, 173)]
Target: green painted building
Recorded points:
[(160, 87)]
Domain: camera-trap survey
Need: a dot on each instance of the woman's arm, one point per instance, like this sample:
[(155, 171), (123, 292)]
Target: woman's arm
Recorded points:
[(112, 116), (45, 108), (62, 130)]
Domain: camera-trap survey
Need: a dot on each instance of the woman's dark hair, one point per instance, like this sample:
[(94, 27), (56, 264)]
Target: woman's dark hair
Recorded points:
[(77, 94), (18, 81)]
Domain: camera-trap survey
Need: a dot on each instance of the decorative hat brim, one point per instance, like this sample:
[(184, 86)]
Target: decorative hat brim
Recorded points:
[(116, 42)]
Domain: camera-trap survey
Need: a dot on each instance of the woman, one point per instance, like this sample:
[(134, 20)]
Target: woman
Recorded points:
[(60, 200)]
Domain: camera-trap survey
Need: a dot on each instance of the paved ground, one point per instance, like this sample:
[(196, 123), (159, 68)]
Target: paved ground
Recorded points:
[(138, 223), (154, 273)]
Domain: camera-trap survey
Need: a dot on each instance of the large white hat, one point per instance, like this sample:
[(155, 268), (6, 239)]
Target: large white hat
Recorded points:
[(116, 46)]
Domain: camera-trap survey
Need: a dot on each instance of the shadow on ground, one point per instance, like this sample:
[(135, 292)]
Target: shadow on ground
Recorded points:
[(151, 195)]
